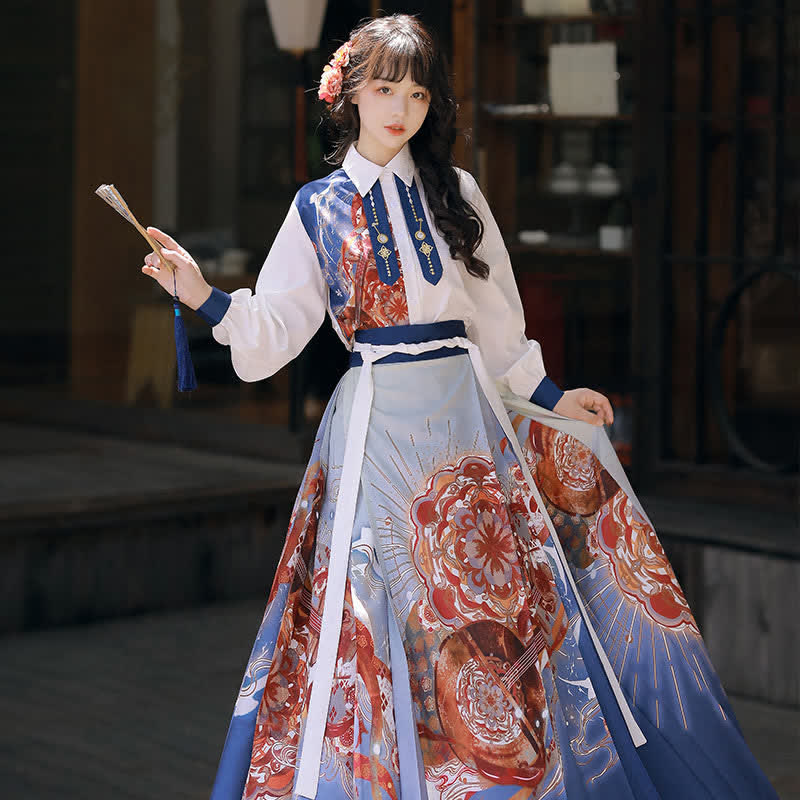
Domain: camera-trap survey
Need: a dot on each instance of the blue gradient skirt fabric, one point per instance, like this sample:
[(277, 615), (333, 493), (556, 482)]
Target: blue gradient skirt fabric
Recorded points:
[(464, 668)]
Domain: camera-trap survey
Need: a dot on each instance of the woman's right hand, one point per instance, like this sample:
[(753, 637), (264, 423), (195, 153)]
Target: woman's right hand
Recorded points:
[(187, 282), (586, 405)]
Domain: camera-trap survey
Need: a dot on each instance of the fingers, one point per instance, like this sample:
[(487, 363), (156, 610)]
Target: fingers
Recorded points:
[(593, 407), (599, 403), (151, 265), (171, 260), (603, 408), (583, 415), (171, 251), (175, 257), (163, 238), (154, 266)]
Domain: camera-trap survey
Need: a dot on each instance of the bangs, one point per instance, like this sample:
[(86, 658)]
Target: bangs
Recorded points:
[(400, 55)]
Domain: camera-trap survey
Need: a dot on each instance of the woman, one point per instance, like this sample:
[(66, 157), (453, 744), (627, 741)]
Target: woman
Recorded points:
[(470, 601)]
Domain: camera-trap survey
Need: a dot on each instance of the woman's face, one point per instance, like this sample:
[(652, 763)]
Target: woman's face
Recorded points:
[(390, 113)]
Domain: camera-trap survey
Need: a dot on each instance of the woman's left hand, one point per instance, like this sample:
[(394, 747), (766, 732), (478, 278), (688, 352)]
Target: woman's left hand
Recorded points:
[(580, 403)]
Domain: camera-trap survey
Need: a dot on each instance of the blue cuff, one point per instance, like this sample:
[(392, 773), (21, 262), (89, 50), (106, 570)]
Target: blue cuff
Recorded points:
[(213, 310), (547, 394)]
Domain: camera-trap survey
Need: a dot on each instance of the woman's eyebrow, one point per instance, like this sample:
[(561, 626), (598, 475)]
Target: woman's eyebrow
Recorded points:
[(414, 86), (389, 80)]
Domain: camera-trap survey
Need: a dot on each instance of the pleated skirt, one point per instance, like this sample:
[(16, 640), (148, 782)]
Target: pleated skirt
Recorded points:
[(464, 667)]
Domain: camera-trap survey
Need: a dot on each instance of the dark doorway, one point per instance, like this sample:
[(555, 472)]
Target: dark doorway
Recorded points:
[(717, 335), (38, 76)]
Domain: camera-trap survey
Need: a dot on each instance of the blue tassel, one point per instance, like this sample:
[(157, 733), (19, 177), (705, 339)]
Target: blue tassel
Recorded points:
[(186, 377)]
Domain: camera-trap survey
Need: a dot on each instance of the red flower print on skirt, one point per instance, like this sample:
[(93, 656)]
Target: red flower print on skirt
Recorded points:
[(464, 547)]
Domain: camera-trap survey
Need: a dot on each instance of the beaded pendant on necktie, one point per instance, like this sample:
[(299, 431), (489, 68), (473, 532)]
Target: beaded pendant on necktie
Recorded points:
[(418, 227), (380, 233)]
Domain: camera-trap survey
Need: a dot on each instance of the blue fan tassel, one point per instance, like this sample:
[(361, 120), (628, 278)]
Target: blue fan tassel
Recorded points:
[(186, 377)]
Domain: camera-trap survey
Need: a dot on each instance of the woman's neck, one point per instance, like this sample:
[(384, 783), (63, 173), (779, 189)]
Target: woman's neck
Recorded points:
[(375, 152)]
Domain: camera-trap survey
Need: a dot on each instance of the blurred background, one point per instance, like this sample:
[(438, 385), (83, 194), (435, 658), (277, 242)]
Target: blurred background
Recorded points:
[(642, 159)]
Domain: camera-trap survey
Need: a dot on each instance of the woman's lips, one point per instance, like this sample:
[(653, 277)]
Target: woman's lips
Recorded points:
[(395, 129)]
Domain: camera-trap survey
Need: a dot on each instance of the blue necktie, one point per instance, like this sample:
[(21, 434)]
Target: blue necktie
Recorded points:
[(420, 232)]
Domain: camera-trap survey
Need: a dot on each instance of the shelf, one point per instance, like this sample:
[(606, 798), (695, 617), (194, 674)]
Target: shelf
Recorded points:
[(751, 117), (729, 10), (579, 197), (559, 19), (571, 252), (561, 119), (543, 59)]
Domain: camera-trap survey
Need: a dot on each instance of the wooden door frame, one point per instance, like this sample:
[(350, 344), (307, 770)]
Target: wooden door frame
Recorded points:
[(114, 117)]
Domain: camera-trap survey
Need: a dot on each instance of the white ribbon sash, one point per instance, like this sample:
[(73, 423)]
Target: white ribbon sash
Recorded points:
[(310, 762)]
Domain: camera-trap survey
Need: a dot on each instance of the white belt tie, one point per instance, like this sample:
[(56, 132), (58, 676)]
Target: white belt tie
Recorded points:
[(310, 761)]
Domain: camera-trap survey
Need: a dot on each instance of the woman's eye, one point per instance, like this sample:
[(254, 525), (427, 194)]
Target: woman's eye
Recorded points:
[(386, 90)]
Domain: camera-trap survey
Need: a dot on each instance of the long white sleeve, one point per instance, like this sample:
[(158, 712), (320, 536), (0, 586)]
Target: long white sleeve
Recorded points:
[(498, 326), (268, 329)]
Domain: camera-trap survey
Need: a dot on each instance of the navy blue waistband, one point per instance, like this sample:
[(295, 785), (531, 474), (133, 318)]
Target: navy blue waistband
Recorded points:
[(411, 334)]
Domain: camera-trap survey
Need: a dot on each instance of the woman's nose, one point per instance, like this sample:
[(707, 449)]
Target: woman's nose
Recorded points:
[(400, 105)]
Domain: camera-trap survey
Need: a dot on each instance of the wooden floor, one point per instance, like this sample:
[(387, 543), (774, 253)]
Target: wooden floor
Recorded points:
[(138, 708)]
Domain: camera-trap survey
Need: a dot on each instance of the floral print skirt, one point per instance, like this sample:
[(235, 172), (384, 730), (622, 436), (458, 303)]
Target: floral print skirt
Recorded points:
[(464, 666)]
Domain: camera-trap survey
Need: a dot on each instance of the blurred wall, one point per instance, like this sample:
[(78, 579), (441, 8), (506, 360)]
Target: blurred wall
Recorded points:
[(224, 89), (113, 144), (166, 90), (196, 93)]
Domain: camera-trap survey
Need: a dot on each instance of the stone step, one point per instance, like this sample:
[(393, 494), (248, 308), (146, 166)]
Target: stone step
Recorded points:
[(94, 527)]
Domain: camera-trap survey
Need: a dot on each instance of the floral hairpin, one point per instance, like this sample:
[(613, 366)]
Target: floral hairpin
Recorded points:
[(330, 84)]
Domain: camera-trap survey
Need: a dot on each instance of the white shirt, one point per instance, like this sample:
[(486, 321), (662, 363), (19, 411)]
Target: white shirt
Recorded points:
[(268, 329)]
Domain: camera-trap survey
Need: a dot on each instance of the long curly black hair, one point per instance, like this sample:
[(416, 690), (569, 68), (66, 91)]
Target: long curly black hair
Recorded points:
[(387, 48)]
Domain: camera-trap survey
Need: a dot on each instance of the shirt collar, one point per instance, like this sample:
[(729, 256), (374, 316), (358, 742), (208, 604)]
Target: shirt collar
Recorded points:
[(364, 172)]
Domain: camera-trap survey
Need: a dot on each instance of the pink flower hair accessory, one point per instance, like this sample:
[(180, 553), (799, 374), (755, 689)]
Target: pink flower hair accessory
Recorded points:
[(330, 84)]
